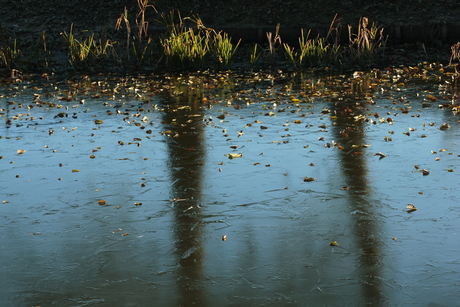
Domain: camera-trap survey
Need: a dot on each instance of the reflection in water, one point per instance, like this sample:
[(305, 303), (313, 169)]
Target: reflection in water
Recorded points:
[(186, 151), (349, 131), (60, 247)]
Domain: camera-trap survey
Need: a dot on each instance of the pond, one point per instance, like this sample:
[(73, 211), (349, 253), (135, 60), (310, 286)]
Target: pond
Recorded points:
[(231, 190)]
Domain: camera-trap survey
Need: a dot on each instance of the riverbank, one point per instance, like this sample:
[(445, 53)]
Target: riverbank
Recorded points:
[(32, 32)]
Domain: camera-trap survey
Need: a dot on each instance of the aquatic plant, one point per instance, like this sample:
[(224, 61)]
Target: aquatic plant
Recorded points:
[(223, 48), (455, 56), (9, 51), (82, 52), (274, 43), (188, 41), (255, 53), (139, 40), (313, 51), (184, 45), (367, 42), (310, 51)]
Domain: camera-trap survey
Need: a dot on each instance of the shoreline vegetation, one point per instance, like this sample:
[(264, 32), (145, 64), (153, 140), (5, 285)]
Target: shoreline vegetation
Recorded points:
[(187, 44)]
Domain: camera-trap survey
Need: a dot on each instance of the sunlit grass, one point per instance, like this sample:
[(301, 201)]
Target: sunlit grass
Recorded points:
[(83, 52), (224, 49), (315, 51)]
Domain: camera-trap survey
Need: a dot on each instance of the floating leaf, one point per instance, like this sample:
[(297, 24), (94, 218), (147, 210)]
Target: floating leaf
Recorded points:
[(20, 151), (425, 172), (235, 155), (411, 208), (334, 243), (102, 202), (308, 179), (444, 126), (224, 238), (98, 121), (382, 155), (75, 170)]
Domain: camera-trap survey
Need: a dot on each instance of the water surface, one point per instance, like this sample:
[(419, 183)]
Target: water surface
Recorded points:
[(206, 197)]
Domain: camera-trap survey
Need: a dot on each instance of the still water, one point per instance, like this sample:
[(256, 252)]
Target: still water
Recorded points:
[(228, 190)]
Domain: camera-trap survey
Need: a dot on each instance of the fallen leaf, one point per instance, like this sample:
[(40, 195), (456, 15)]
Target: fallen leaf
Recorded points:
[(444, 126), (334, 243), (308, 179), (235, 155), (382, 155)]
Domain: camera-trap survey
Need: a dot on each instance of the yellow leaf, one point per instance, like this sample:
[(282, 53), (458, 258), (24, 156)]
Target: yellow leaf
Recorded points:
[(235, 155)]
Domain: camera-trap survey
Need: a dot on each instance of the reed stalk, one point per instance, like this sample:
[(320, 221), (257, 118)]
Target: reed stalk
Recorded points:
[(274, 42), (9, 51), (368, 42)]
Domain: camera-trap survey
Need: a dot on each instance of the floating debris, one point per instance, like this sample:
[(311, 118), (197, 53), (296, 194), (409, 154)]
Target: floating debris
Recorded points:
[(382, 155), (444, 126), (411, 208), (234, 155)]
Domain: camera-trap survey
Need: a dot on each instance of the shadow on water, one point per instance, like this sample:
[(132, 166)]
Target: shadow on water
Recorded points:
[(186, 152), (365, 222)]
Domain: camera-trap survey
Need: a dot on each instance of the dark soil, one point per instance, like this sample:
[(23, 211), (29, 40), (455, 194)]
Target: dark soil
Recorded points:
[(31, 16)]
